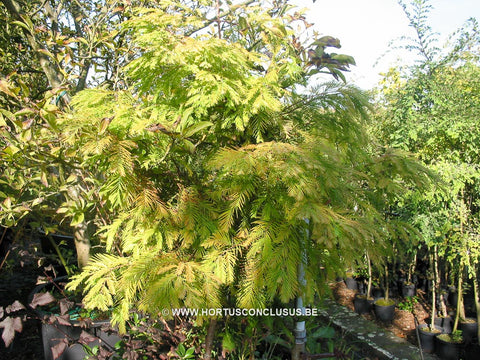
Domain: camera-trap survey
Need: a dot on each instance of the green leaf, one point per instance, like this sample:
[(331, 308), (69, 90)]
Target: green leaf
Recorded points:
[(181, 350), (189, 354), (195, 128), (346, 59), (77, 219), (48, 53), (242, 23), (43, 178), (23, 25), (6, 88), (188, 146), (71, 178), (324, 332)]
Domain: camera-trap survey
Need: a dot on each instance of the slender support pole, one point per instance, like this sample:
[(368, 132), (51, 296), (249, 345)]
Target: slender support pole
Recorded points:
[(300, 330)]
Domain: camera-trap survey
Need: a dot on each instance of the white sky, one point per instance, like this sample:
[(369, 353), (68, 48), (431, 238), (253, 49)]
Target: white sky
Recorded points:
[(365, 28)]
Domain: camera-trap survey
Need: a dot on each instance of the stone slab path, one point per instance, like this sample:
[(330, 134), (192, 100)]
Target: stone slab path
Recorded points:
[(369, 337)]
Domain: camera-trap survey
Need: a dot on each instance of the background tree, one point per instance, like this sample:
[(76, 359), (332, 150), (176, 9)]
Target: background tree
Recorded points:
[(51, 50), (431, 110)]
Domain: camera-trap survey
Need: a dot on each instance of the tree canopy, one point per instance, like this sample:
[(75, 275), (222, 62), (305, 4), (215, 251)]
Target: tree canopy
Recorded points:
[(214, 158), (208, 165)]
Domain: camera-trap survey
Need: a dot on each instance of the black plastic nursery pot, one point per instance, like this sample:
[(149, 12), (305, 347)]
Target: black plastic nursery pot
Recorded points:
[(447, 350), (56, 333), (378, 293), (445, 323), (361, 304), (469, 329), (427, 337), (408, 290), (384, 309), (351, 283)]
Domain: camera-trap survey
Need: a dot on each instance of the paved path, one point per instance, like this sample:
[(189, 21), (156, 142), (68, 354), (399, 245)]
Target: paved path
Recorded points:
[(368, 336)]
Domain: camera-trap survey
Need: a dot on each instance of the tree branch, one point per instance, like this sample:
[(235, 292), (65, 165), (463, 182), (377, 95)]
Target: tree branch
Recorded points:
[(54, 76), (219, 16)]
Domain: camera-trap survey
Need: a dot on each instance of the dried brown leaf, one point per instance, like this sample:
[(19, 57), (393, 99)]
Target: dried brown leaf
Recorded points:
[(58, 349), (85, 323), (104, 354), (8, 331), (64, 320), (10, 325), (86, 338), (16, 306), (65, 305), (17, 324), (41, 299)]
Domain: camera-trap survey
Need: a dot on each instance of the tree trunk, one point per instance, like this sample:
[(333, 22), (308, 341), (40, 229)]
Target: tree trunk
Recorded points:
[(300, 331), (411, 268), (477, 300), (387, 280), (53, 74), (82, 244), (55, 79), (369, 283), (442, 306), (460, 313), (209, 339), (434, 287)]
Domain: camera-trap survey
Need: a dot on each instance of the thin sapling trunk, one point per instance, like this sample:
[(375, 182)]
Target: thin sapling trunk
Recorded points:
[(434, 287), (411, 268), (369, 269), (386, 283), (460, 313), (477, 300)]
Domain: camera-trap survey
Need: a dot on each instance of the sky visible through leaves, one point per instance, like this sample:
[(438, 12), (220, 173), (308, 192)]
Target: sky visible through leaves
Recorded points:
[(366, 28)]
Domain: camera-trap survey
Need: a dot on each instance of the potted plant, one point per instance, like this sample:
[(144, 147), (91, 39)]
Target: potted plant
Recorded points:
[(408, 289), (445, 323), (426, 336), (350, 281), (68, 331), (363, 302), (469, 328), (442, 321), (385, 307), (471, 331), (407, 285), (449, 346)]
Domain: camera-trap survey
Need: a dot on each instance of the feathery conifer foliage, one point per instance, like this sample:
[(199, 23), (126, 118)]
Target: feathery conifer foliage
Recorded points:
[(216, 156)]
